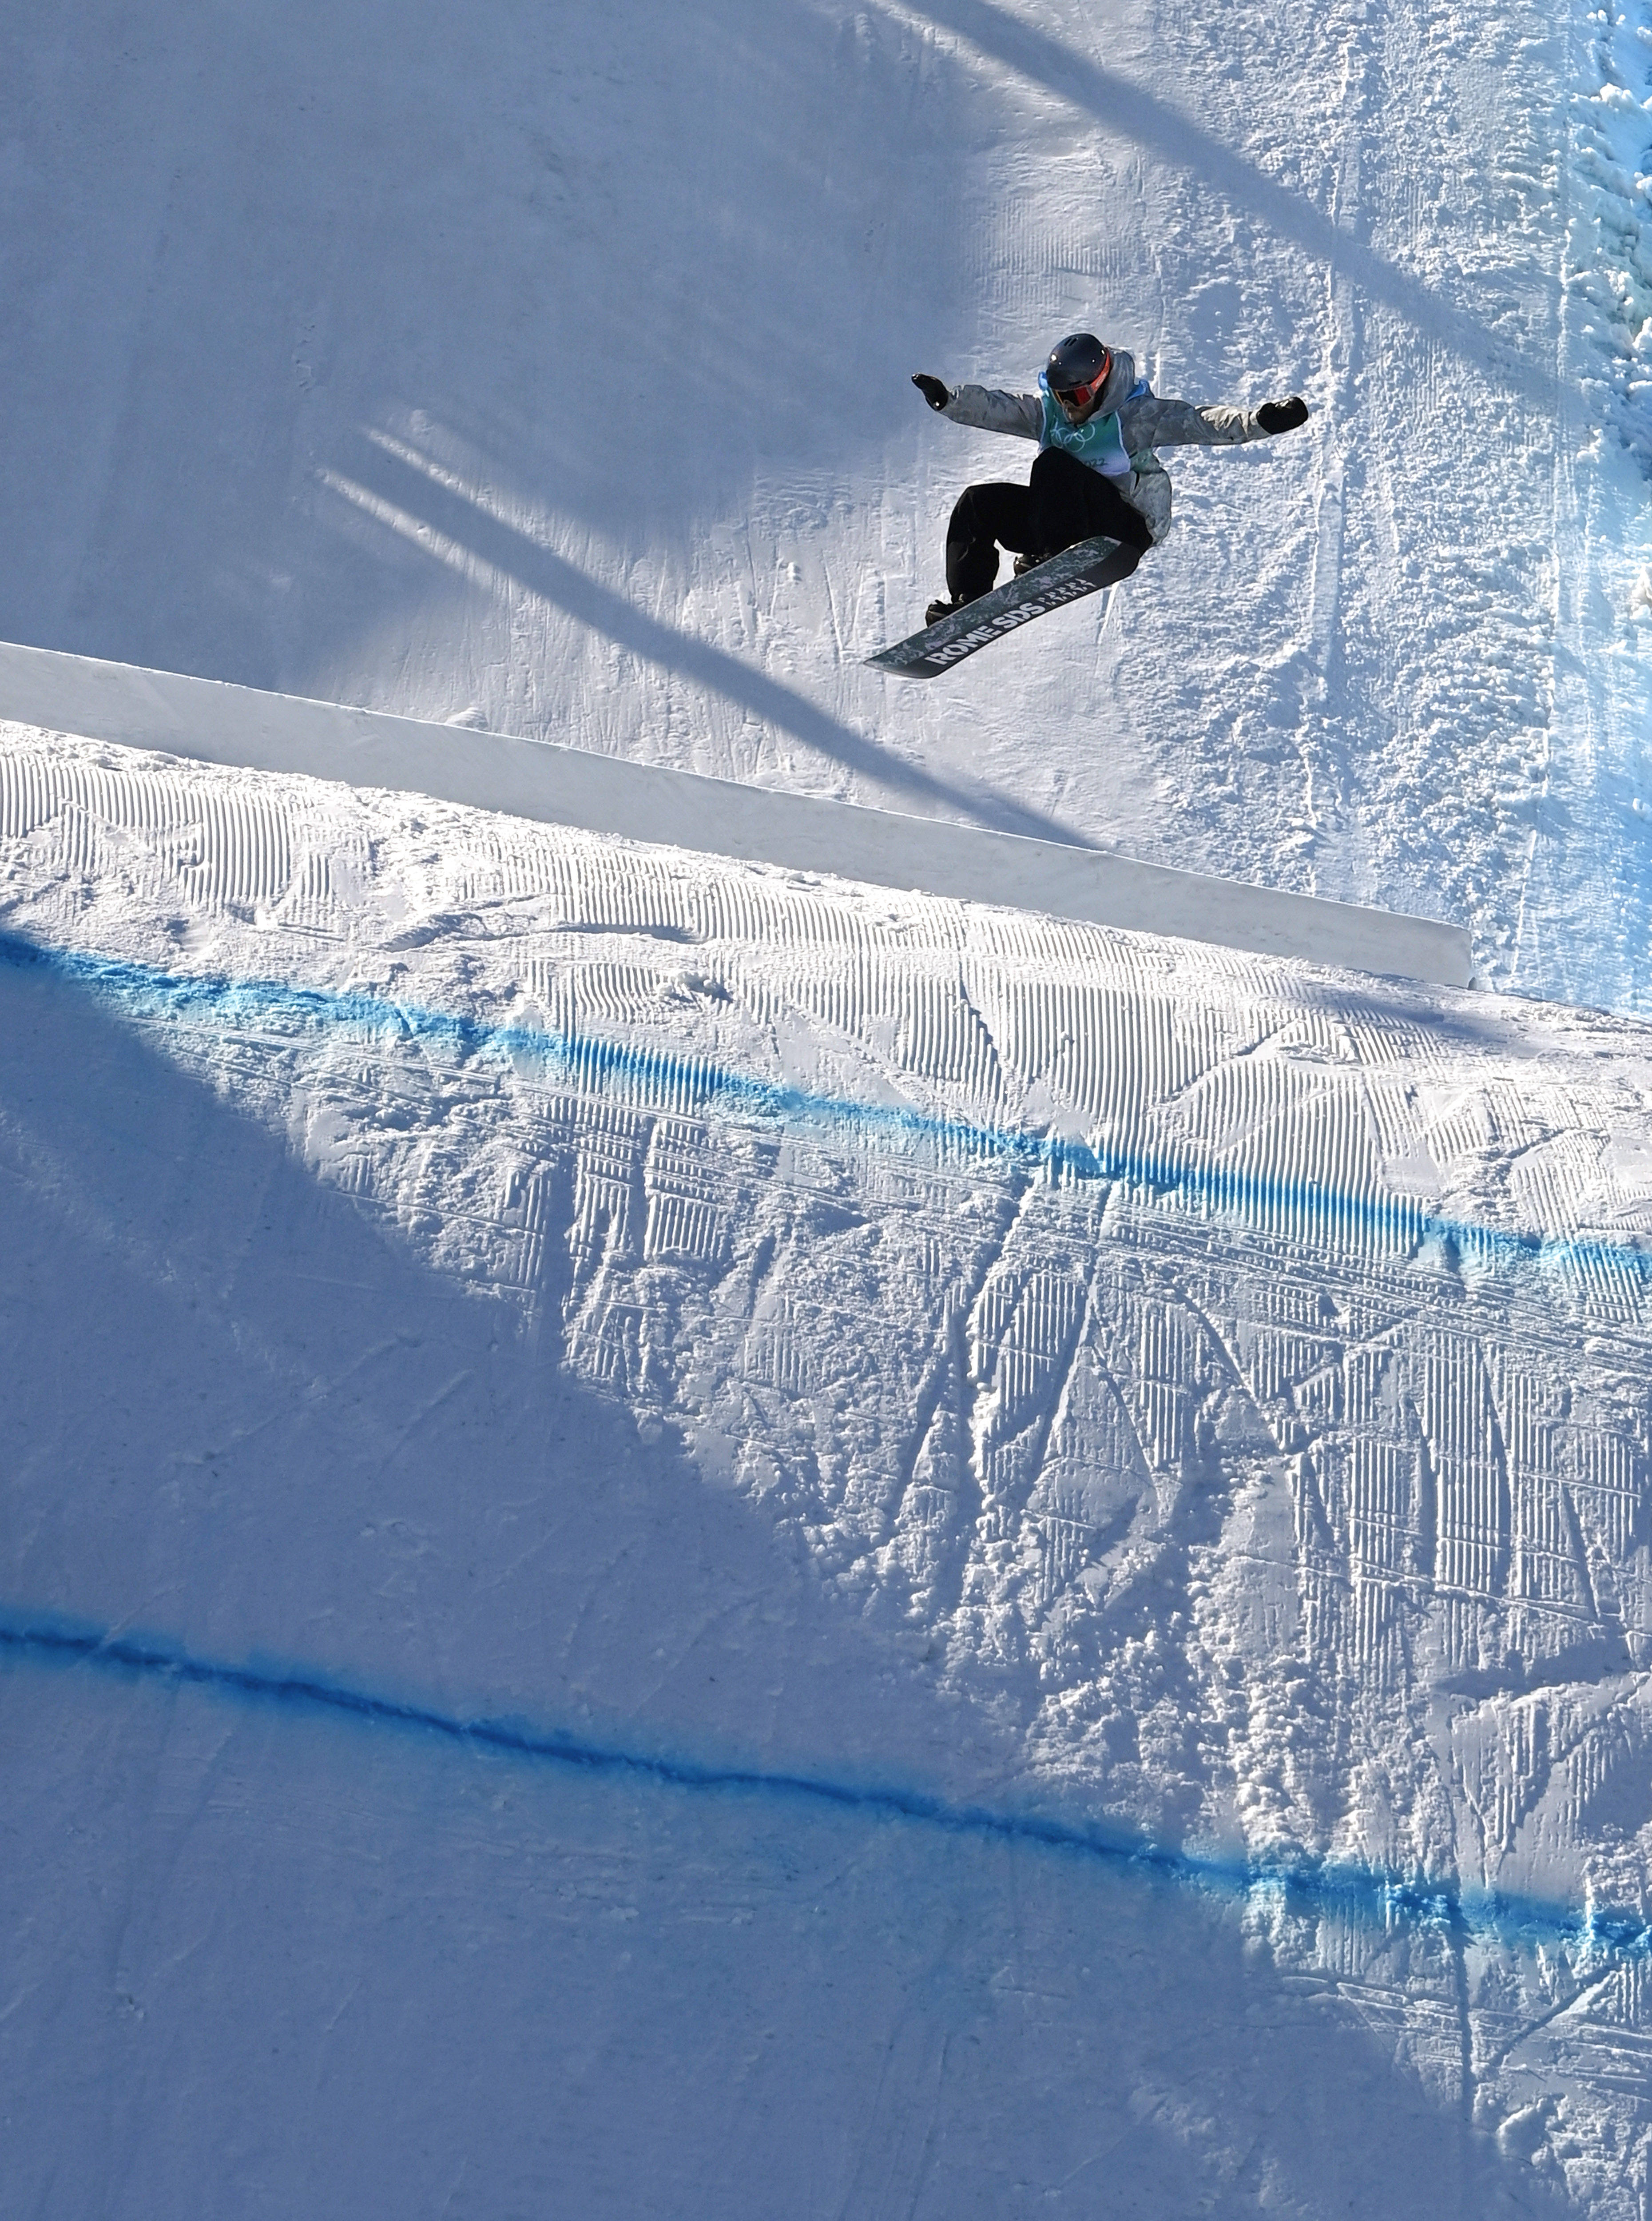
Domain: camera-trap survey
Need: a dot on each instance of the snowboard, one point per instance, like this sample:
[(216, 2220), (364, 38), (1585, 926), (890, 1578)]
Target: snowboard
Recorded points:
[(1065, 578)]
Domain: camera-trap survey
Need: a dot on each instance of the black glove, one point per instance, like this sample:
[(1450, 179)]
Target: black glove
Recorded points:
[(932, 389), (1282, 415)]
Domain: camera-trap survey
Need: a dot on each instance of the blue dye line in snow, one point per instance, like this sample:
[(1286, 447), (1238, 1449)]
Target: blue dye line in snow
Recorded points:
[(1397, 1224), (1368, 1896)]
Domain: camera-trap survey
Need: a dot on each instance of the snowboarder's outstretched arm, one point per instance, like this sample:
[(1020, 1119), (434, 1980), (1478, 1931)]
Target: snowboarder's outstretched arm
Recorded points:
[(1151, 422), (985, 409), (1144, 421)]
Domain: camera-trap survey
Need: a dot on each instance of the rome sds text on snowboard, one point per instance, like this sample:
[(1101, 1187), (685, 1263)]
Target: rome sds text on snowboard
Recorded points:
[(1077, 570)]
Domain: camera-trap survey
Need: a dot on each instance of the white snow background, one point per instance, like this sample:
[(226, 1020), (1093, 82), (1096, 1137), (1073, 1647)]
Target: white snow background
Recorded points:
[(679, 1540)]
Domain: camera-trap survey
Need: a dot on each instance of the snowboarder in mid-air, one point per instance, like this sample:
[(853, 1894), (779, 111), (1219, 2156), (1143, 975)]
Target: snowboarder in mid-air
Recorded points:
[(1095, 476)]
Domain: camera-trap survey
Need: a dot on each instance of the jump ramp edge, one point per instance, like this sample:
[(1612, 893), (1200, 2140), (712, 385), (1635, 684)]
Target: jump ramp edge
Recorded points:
[(242, 727)]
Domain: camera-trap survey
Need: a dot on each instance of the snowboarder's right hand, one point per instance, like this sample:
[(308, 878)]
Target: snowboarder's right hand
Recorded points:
[(1282, 415), (932, 389)]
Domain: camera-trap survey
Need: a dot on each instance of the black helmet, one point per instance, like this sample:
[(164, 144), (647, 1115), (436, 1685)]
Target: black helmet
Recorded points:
[(1078, 367)]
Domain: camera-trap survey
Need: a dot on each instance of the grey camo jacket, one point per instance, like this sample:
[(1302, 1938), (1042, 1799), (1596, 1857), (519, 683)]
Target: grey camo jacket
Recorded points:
[(1144, 421)]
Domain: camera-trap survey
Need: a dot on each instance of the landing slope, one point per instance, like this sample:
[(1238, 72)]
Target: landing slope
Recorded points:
[(716, 1540)]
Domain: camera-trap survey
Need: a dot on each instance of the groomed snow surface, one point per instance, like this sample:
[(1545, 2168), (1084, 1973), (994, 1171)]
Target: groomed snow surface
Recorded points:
[(680, 1539)]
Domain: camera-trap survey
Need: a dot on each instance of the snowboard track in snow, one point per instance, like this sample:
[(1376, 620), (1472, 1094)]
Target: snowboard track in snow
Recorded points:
[(1369, 1897)]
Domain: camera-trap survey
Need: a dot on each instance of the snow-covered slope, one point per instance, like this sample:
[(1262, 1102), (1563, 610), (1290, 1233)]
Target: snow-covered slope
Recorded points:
[(549, 368), (682, 1539)]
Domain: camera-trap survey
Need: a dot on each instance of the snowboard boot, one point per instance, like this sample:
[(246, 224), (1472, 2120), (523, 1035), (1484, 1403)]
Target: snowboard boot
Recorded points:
[(937, 611), (1025, 563)]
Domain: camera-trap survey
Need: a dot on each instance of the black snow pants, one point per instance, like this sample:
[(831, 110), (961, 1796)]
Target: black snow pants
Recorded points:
[(1065, 502)]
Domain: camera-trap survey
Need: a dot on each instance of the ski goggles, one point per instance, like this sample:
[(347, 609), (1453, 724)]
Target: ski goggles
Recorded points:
[(1080, 396)]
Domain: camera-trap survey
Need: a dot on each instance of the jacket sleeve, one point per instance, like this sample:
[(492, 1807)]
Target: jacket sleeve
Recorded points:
[(987, 411), (1151, 422)]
